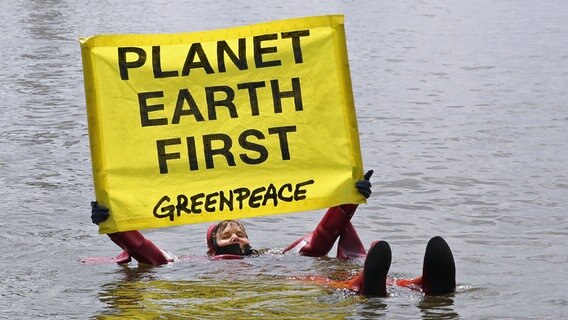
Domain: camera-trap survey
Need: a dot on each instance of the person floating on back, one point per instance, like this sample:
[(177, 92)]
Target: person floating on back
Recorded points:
[(228, 240)]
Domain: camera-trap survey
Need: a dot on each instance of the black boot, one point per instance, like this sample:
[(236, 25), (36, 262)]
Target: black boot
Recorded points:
[(375, 269), (439, 269)]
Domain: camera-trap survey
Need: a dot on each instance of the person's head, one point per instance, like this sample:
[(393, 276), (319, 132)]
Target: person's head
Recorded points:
[(228, 237)]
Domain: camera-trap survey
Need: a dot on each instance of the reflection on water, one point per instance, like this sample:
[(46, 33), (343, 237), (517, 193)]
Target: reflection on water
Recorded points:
[(139, 294), (438, 308), (462, 113), (254, 287)]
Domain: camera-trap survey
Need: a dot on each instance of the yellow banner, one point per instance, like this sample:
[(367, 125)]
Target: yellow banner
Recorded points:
[(223, 124)]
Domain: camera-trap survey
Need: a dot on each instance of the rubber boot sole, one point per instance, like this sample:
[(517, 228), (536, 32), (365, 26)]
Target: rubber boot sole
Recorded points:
[(439, 269), (375, 269)]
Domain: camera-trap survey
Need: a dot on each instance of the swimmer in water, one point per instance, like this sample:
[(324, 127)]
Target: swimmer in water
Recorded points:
[(229, 240)]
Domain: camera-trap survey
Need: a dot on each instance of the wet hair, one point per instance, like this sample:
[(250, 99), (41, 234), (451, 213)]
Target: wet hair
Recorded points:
[(214, 229)]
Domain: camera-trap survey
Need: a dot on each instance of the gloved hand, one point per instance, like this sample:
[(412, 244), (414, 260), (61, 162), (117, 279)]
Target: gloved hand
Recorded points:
[(98, 213), (364, 185)]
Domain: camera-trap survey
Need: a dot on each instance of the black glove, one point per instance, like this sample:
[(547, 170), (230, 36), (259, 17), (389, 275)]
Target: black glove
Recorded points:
[(98, 213), (364, 185)]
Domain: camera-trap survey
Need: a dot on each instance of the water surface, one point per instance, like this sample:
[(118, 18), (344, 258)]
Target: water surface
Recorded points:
[(462, 110)]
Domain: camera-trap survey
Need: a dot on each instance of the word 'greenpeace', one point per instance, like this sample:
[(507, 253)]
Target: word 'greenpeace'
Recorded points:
[(227, 200)]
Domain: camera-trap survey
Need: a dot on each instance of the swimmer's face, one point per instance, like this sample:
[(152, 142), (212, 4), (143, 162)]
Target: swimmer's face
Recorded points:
[(232, 233)]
